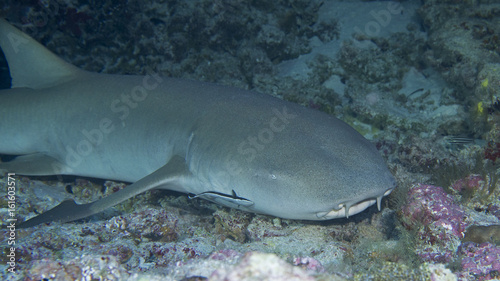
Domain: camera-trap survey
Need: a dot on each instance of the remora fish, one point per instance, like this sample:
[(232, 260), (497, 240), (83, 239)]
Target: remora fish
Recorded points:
[(234, 147)]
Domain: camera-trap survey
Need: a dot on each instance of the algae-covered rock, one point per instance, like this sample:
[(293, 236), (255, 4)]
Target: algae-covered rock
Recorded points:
[(259, 266), (232, 224)]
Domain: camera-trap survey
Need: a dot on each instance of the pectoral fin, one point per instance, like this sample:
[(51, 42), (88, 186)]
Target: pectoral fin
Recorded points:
[(36, 164), (68, 210)]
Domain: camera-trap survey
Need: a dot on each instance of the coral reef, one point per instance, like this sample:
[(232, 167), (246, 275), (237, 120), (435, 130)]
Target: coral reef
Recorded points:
[(443, 234), (309, 264), (83, 268), (481, 262), (464, 48), (492, 151), (397, 271), (257, 266), (205, 36), (479, 192), (425, 89), (232, 224), (439, 222)]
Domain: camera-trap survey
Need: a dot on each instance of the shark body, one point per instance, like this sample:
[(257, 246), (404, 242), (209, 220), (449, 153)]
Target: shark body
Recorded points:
[(235, 147)]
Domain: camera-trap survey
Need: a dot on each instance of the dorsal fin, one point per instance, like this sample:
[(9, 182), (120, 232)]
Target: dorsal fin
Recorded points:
[(30, 63)]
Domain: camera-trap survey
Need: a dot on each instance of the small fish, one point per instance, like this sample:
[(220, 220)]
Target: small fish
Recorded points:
[(458, 140), (480, 234)]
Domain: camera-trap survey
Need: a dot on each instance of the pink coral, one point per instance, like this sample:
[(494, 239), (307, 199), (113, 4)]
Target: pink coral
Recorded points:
[(438, 220), (481, 262), (429, 204)]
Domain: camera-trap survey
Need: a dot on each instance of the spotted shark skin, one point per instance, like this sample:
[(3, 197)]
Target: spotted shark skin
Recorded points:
[(235, 147)]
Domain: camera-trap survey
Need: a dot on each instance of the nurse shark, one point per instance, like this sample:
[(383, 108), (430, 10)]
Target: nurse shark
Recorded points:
[(237, 148)]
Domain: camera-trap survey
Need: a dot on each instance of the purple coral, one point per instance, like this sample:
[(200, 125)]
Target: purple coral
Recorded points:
[(439, 222), (429, 204), (475, 182), (494, 210), (481, 262)]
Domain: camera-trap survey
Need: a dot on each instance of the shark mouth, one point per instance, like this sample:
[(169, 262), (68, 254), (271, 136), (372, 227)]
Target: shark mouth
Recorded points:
[(351, 208)]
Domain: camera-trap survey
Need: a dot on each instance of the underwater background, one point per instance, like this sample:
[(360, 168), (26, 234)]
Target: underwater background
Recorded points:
[(420, 79)]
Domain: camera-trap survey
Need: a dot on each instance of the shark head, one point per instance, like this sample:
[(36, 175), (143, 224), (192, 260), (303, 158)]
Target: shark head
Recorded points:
[(311, 166)]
